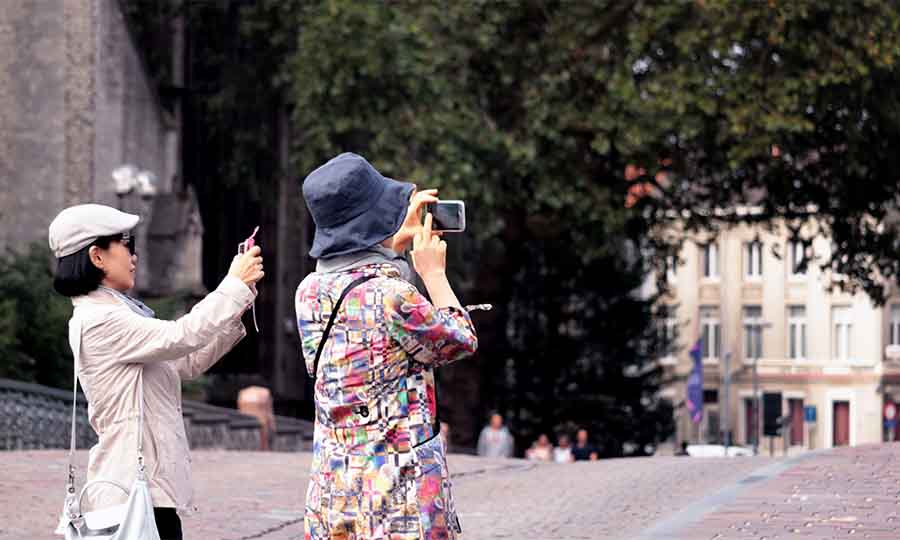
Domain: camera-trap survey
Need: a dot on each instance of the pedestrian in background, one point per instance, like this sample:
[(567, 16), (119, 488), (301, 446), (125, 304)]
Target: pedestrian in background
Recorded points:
[(445, 435), (495, 440), (563, 451), (583, 449), (541, 450)]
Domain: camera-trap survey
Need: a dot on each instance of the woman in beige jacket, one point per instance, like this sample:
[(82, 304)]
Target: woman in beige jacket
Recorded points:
[(120, 349)]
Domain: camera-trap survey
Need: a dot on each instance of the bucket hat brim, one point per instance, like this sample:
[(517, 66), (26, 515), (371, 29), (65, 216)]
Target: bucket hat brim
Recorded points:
[(381, 221)]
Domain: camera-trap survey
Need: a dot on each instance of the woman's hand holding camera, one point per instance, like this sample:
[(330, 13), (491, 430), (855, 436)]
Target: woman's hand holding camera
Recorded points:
[(248, 267), (429, 257), (429, 252), (412, 224)]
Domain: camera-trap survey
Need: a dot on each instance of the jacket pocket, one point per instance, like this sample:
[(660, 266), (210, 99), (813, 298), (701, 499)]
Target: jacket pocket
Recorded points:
[(351, 415), (345, 395)]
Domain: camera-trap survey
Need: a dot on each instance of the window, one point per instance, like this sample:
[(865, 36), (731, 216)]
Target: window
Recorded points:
[(796, 254), (797, 332), (753, 265), (895, 325), (842, 329), (668, 336), (711, 260), (710, 332), (753, 332), (671, 268)]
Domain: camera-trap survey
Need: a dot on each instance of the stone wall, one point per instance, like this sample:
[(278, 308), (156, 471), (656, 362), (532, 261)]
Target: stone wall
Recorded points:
[(37, 417), (76, 102), (33, 104)]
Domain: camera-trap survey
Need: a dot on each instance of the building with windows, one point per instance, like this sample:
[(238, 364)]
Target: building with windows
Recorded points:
[(769, 323)]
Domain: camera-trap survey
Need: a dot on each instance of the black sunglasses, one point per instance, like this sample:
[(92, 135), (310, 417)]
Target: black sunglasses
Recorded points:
[(130, 242)]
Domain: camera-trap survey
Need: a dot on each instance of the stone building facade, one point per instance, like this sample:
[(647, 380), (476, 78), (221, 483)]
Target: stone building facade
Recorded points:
[(76, 103), (745, 296)]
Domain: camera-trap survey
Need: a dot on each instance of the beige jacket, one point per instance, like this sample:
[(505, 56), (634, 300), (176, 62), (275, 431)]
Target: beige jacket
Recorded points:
[(119, 350)]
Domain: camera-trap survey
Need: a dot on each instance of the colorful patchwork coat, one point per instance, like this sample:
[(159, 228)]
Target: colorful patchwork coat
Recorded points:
[(379, 468)]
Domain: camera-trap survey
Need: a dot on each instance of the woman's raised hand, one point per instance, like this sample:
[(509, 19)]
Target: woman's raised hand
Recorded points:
[(429, 252), (248, 267), (412, 224)]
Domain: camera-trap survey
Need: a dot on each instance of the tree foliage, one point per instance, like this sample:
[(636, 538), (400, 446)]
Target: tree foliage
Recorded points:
[(788, 109), (34, 336), (549, 118), (475, 98)]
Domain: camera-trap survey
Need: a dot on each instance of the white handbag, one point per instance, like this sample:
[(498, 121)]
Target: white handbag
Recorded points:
[(133, 520)]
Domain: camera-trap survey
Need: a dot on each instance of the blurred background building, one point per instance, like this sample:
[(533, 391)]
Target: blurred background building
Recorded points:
[(759, 302)]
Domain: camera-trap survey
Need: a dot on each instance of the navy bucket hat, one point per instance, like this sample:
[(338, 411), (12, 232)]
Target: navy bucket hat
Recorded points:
[(353, 206)]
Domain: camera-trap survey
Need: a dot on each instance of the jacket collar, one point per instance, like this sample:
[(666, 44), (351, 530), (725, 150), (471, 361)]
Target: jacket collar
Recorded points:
[(95, 297)]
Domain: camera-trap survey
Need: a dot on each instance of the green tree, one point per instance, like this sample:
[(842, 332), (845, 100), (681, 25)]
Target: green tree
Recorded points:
[(791, 108), (34, 344), (477, 98)]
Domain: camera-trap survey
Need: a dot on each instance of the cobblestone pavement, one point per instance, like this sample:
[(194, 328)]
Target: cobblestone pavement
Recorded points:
[(844, 493), (246, 495)]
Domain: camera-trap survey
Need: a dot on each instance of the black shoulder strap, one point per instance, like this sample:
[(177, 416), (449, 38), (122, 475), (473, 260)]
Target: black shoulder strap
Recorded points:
[(334, 311)]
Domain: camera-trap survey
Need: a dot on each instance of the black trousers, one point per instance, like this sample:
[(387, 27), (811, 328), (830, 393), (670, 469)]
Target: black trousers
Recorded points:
[(168, 523)]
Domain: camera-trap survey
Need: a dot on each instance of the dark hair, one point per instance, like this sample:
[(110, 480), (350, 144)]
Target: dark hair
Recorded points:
[(76, 275)]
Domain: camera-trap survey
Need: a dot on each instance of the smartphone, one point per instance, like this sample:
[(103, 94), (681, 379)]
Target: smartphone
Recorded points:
[(248, 243), (243, 247), (448, 216)]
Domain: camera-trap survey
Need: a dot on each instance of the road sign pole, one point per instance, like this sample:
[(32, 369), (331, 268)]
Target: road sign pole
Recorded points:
[(758, 409)]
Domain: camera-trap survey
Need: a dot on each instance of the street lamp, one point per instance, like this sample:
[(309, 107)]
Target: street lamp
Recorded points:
[(145, 182), (128, 178), (124, 179)]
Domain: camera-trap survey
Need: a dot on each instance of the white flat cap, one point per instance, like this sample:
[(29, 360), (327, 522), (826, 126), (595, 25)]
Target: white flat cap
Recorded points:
[(76, 227)]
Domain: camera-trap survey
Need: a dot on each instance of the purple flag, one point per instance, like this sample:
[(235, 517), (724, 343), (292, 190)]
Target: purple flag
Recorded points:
[(695, 384)]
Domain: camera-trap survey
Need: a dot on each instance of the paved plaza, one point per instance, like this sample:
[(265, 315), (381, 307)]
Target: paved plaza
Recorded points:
[(846, 493)]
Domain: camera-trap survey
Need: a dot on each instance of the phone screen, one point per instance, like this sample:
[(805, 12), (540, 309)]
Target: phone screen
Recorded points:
[(448, 216)]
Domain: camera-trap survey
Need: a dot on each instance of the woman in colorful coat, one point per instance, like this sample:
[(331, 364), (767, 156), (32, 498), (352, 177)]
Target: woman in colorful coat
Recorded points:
[(379, 468)]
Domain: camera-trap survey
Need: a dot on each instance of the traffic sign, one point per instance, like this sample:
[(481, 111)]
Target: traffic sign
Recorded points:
[(809, 414), (890, 411)]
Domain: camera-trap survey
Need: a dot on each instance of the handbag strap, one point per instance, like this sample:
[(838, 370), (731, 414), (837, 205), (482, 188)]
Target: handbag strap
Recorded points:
[(140, 446), (76, 355), (356, 282)]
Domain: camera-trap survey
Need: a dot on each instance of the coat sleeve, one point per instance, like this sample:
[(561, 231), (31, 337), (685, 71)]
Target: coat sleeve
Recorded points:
[(508, 445), (130, 338), (432, 336), (197, 363), (482, 443)]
